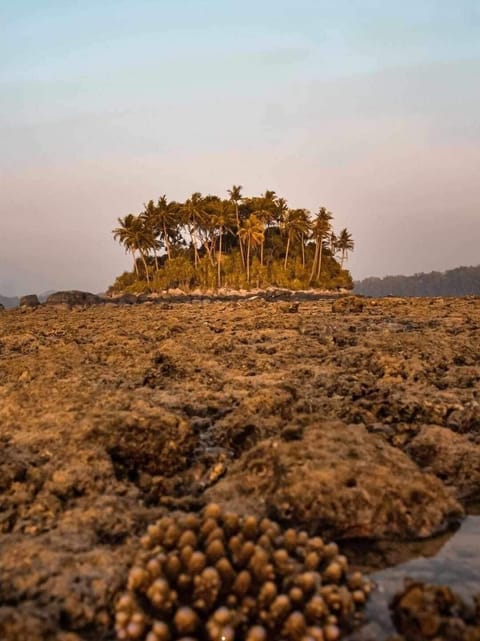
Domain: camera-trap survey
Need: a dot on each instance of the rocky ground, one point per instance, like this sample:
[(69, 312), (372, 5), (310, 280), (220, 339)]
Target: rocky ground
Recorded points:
[(357, 419)]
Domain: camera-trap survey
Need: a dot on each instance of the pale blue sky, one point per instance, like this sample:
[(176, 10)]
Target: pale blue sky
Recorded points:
[(370, 108)]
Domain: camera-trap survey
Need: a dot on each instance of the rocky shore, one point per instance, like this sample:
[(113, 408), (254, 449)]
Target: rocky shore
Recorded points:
[(353, 419)]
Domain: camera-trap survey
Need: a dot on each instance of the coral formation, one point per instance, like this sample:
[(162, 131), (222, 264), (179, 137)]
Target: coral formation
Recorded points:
[(219, 576), (423, 611)]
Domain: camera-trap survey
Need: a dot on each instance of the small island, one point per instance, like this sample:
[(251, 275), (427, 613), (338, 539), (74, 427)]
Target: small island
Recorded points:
[(238, 242)]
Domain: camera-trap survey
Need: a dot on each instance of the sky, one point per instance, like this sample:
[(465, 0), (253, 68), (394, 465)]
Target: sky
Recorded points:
[(368, 107)]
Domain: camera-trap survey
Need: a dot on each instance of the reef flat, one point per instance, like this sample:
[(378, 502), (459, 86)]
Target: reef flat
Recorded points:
[(356, 420)]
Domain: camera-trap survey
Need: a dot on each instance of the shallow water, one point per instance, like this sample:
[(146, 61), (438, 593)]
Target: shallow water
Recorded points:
[(456, 564)]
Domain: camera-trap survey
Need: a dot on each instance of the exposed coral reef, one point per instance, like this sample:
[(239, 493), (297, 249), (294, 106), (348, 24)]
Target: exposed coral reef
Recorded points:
[(423, 612), (344, 424)]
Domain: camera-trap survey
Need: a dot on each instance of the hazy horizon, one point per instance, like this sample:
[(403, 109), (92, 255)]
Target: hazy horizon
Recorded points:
[(369, 108)]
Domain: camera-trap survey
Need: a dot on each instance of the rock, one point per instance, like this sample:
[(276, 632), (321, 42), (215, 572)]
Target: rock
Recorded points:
[(162, 445), (31, 300), (2, 307), (125, 299), (73, 297), (421, 612), (176, 291), (450, 456), (348, 305), (342, 478)]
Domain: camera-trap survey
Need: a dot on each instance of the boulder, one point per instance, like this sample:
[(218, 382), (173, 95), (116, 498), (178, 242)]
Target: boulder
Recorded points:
[(30, 300), (73, 297), (450, 456), (341, 480), (125, 299), (348, 305)]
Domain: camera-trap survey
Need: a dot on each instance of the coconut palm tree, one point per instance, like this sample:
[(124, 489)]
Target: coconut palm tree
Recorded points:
[(345, 243), (222, 221), (149, 220), (264, 209), (320, 229), (295, 224), (253, 234), (235, 194), (282, 209), (166, 215), (333, 242), (135, 236), (194, 217), (125, 235)]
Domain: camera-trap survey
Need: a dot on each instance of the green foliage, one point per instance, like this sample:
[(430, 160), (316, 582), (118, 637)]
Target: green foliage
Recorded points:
[(240, 242), (123, 282)]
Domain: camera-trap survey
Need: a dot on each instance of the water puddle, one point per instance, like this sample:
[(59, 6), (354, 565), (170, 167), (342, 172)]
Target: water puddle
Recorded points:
[(456, 564)]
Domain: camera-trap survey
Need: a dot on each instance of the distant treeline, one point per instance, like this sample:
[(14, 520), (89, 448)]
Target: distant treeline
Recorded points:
[(461, 281), (9, 301)]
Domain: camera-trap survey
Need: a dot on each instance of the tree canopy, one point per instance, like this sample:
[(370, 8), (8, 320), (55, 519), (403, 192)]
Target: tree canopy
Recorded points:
[(238, 241)]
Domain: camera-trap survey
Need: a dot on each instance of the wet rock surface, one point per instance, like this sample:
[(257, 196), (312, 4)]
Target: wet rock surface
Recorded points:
[(351, 424)]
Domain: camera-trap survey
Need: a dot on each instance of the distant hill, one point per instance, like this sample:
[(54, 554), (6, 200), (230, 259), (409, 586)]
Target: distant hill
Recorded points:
[(461, 281), (14, 301), (9, 301)]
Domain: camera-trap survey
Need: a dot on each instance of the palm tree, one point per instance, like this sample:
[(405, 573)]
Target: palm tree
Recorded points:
[(282, 209), (135, 236), (320, 228), (345, 243), (125, 236), (252, 232), (165, 219), (264, 209), (222, 220), (333, 241), (148, 219), (235, 194), (295, 224), (194, 216)]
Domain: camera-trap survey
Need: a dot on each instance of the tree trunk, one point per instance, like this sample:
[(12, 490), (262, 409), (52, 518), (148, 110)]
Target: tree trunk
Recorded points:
[(145, 266), (303, 250), (315, 259), (193, 235), (167, 242), (261, 252), (135, 266), (240, 242), (320, 254), (219, 258), (286, 253), (248, 260)]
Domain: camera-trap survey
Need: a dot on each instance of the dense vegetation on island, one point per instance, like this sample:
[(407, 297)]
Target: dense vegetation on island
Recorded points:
[(235, 242), (461, 281)]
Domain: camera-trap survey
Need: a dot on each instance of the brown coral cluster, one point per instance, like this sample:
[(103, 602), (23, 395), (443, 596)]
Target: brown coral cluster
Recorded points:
[(424, 612), (218, 576)]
